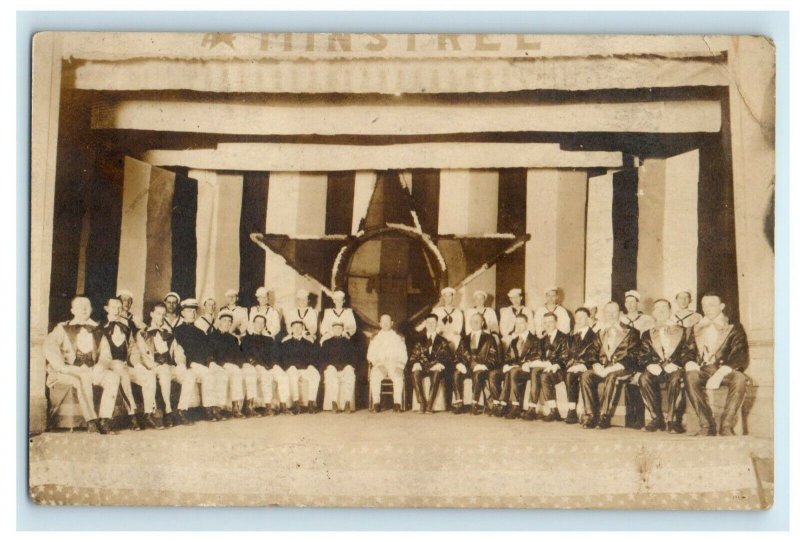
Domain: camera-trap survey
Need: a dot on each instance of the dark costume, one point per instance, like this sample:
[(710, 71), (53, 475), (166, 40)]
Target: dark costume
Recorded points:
[(426, 353), (472, 353)]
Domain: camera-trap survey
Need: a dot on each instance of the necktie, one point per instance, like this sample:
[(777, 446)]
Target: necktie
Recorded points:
[(448, 319)]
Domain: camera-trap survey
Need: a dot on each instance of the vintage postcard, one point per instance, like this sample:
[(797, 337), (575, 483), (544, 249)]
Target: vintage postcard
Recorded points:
[(402, 270)]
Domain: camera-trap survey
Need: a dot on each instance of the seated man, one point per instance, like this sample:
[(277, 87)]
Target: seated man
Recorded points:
[(666, 349), (241, 376), (259, 350), (430, 357), (199, 358), (72, 351), (553, 354), (723, 356), (582, 355), (387, 356), (339, 358), (522, 350), (298, 357), (618, 352), (476, 355), (159, 349), (118, 351)]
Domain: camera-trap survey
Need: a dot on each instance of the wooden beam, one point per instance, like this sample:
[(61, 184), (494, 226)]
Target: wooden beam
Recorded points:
[(317, 157), (293, 118)]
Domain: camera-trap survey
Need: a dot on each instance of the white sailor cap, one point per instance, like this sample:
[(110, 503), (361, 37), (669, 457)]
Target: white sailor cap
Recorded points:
[(302, 293), (448, 290), (261, 290), (230, 291), (188, 303), (476, 293), (208, 298), (590, 303), (225, 313), (551, 289), (689, 293), (176, 296), (338, 294), (514, 291), (634, 294), (124, 293)]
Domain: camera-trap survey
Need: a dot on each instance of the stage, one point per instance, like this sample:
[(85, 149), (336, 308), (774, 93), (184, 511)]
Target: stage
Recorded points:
[(401, 460)]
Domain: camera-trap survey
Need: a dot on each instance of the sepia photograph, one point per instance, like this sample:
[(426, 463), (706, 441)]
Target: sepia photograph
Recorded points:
[(402, 270)]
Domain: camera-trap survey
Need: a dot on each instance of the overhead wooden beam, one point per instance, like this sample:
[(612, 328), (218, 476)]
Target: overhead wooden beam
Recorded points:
[(293, 118), (317, 157)]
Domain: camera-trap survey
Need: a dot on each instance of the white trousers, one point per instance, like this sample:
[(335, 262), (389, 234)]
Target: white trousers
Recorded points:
[(340, 384), (166, 374), (235, 391), (140, 375), (377, 374), (213, 384), (83, 379), (309, 376)]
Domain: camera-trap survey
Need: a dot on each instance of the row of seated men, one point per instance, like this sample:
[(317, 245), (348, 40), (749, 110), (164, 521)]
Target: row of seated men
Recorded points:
[(229, 371)]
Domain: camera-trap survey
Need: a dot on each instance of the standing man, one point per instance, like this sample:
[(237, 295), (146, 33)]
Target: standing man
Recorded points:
[(118, 351), (226, 353), (72, 351), (303, 313), (723, 356), (299, 358), (206, 322), (270, 313), (158, 348), (666, 349), (339, 358), (430, 358), (489, 316), (199, 358), (173, 303), (240, 319), (633, 317), (521, 352), (476, 356), (582, 356), (387, 356), (594, 321), (563, 318), (126, 298), (554, 353), (451, 319), (508, 315), (684, 316), (339, 313), (618, 354)]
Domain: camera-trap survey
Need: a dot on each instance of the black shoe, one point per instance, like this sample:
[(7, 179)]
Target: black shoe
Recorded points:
[(335, 407), (348, 407), (605, 422), (376, 407), (104, 428), (656, 424), (282, 409), (675, 428), (149, 422), (514, 413), (589, 422), (476, 409), (726, 431), (91, 426), (133, 423), (458, 408), (553, 416), (572, 417), (530, 415), (396, 408), (218, 414), (236, 410), (312, 407), (169, 419), (180, 417)]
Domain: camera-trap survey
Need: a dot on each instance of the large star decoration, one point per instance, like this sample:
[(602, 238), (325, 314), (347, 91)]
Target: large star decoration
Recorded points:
[(450, 260)]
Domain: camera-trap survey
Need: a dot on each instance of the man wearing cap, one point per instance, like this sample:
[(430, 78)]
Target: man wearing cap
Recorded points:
[(172, 302), (298, 356), (594, 319), (259, 350), (430, 358), (581, 357), (489, 316), (618, 355), (666, 349), (242, 376), (305, 314), (339, 360), (521, 351), (633, 317), (119, 352), (240, 319), (723, 356), (206, 322), (508, 315), (338, 314), (476, 356), (387, 356), (213, 378), (451, 319), (270, 314), (563, 318), (72, 351), (159, 349), (683, 315), (126, 298)]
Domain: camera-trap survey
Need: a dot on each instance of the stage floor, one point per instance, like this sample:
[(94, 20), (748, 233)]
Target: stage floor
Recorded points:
[(401, 460)]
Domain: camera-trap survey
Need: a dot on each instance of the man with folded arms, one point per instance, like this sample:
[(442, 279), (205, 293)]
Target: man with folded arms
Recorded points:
[(241, 376), (430, 357), (298, 356), (581, 356), (618, 354), (723, 356), (387, 356), (260, 351), (522, 350), (553, 353), (339, 357), (666, 349), (476, 356)]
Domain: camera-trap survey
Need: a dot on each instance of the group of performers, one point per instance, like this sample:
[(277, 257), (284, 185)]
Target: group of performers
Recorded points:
[(266, 361)]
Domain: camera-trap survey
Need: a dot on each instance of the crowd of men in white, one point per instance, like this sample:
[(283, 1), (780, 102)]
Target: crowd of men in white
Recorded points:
[(265, 361)]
